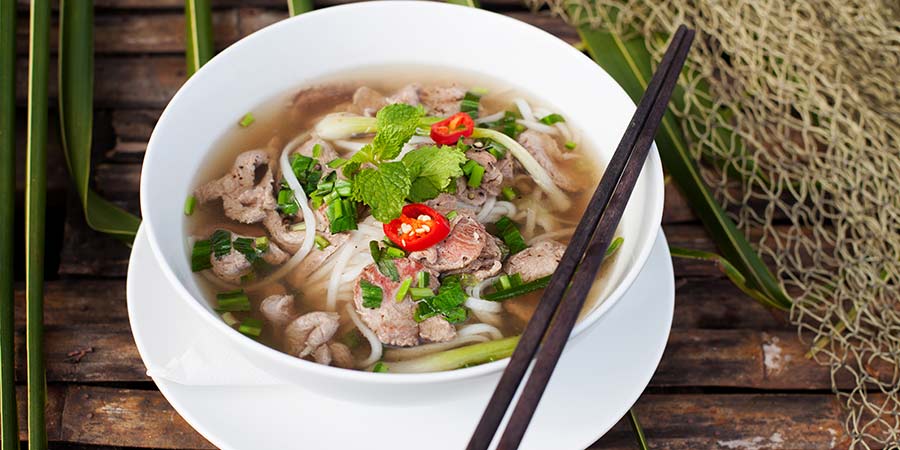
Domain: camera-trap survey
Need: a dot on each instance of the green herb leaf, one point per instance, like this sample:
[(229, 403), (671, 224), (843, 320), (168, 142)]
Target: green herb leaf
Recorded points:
[(432, 169), (550, 119), (371, 294), (380, 367), (221, 243), (448, 303), (384, 189)]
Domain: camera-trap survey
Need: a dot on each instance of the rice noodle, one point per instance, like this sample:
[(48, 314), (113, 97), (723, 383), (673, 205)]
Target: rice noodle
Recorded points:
[(344, 256), (478, 304), (491, 118), (374, 343), (480, 328), (401, 354), (528, 231), (524, 109), (537, 126), (486, 209), (564, 130), (308, 217), (475, 291)]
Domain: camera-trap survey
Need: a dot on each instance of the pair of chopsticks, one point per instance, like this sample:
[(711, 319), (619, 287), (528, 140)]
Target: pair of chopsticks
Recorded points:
[(585, 253)]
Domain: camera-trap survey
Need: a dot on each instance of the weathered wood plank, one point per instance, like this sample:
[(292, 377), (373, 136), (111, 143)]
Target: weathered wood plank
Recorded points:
[(218, 4), (78, 302), (134, 418), (53, 411), (718, 304)]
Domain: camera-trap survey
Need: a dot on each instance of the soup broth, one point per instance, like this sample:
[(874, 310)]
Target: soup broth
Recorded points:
[(496, 194)]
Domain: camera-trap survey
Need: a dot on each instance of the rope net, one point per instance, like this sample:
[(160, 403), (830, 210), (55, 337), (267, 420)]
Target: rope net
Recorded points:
[(793, 110)]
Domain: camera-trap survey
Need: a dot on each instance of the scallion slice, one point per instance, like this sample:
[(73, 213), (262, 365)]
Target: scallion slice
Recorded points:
[(321, 242), (229, 319), (423, 279), (452, 214), (221, 243), (404, 289), (189, 204), (515, 279), (262, 243), (475, 177), (235, 300), (468, 166), (394, 253), (509, 193), (550, 119), (571, 145), (251, 327), (371, 294), (299, 226), (418, 293), (286, 202), (503, 283), (380, 367), (511, 235), (469, 104), (200, 255), (516, 291), (247, 120), (317, 151), (336, 163)]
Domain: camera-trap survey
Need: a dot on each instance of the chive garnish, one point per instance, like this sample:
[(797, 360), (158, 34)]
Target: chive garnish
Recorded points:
[(452, 214), (419, 293), (468, 166), (229, 319), (247, 120), (235, 300), (371, 294), (475, 176), (508, 193), (251, 327), (404, 289), (394, 253), (510, 235), (422, 279), (189, 203), (336, 163), (200, 255), (221, 243), (571, 145), (262, 243), (380, 367), (317, 151), (321, 242), (516, 291), (550, 119)]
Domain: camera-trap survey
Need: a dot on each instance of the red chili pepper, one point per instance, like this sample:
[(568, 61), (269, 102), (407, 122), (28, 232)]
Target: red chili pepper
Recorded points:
[(449, 130), (417, 228)]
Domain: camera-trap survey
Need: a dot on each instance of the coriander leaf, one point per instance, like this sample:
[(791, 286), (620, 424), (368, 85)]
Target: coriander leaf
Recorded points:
[(383, 188), (432, 169), (371, 294)]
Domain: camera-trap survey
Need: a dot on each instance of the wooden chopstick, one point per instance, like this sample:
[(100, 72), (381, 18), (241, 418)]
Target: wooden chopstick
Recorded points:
[(602, 214)]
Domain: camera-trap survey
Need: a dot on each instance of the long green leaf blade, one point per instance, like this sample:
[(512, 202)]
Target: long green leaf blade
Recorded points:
[(296, 7), (637, 430), (76, 113), (198, 33), (35, 204), (628, 62), (9, 423)]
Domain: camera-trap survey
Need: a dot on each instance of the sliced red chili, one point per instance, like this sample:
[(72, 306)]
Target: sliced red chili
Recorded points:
[(451, 129), (417, 228)]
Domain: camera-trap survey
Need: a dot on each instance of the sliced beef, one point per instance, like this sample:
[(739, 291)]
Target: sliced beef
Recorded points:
[(305, 334), (536, 261), (442, 100), (246, 191), (443, 203), (315, 100), (341, 356), (463, 245), (234, 265), (408, 94), (368, 101), (488, 262), (326, 155), (392, 321), (436, 329), (278, 310), (281, 231), (546, 152)]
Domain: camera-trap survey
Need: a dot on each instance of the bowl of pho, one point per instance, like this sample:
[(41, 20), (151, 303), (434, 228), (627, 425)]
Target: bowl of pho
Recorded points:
[(376, 211)]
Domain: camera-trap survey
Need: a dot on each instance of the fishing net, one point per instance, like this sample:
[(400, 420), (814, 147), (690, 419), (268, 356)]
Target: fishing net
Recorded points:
[(793, 110)]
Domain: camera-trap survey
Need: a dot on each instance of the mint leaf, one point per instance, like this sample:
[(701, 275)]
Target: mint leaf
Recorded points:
[(396, 125), (383, 188), (432, 169)]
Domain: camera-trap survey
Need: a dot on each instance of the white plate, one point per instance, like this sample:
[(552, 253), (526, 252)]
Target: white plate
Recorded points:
[(601, 374)]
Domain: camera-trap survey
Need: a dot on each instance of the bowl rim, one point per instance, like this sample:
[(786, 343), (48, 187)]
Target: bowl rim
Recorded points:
[(652, 168)]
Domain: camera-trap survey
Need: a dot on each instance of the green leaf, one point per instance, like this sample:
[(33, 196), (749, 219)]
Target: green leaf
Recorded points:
[(76, 112), (432, 169), (628, 62), (296, 7), (396, 124), (198, 34), (9, 424), (637, 430), (383, 188)]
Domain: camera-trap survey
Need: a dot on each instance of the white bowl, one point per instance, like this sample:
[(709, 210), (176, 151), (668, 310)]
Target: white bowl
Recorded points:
[(284, 56)]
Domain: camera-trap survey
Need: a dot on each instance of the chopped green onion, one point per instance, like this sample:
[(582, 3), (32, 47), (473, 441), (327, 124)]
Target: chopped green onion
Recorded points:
[(452, 214), (229, 319), (511, 235), (189, 204), (385, 265), (286, 202), (468, 166), (262, 243), (247, 120), (247, 247), (221, 243), (343, 187), (550, 119), (341, 215), (251, 327), (298, 226), (516, 291), (317, 151), (476, 176), (371, 294), (571, 145), (200, 255), (614, 246), (404, 289), (394, 253), (380, 367), (479, 91), (469, 104), (235, 300), (516, 279), (509, 193), (418, 293), (336, 163), (503, 283), (321, 242), (423, 279)]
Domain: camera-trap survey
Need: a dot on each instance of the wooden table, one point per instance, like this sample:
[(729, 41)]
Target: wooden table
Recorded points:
[(733, 375)]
